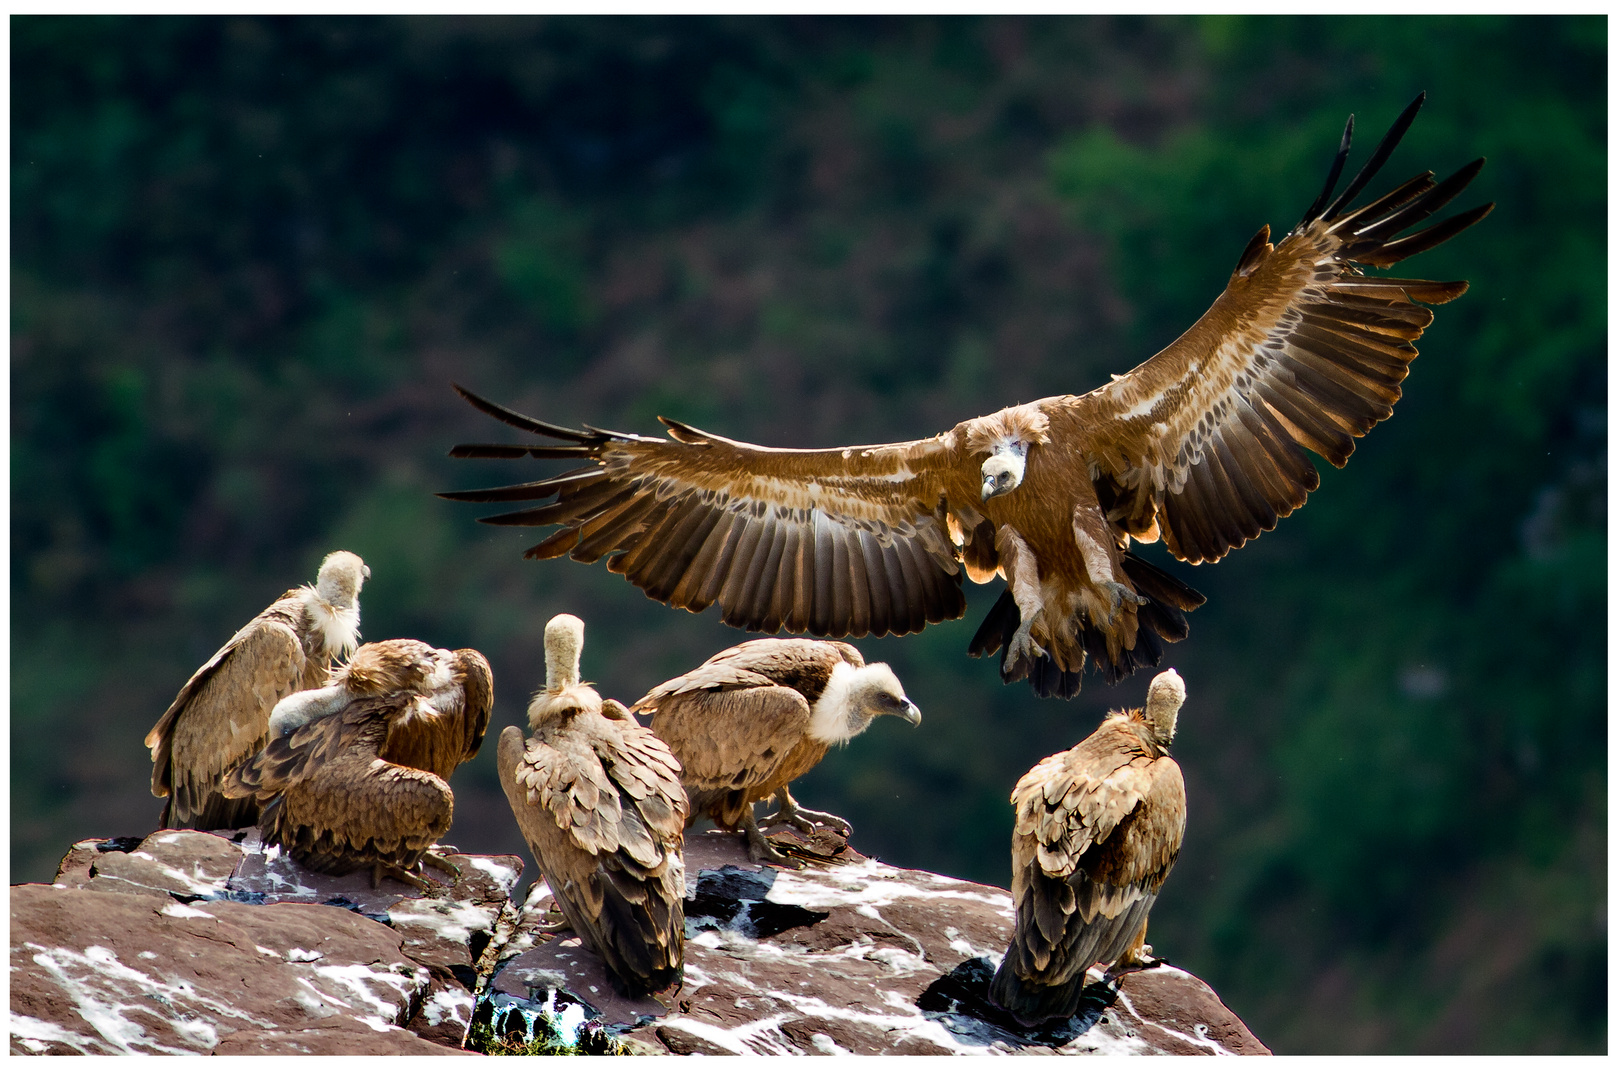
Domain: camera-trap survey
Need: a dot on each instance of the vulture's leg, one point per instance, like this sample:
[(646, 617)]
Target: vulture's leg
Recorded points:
[(1093, 537), (1137, 957), (760, 849), (1024, 578), (441, 864), (794, 816)]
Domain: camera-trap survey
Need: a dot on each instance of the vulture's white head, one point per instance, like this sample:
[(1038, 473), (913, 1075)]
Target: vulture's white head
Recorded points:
[(1166, 694), (1007, 436), (564, 695), (341, 577), (334, 610), (296, 710), (565, 640), (854, 696), (1003, 470)]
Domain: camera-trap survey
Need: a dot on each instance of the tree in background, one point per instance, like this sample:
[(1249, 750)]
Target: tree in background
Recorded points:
[(249, 255)]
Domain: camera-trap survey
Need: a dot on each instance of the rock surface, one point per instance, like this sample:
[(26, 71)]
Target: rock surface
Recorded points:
[(849, 957), (191, 942), (187, 942)]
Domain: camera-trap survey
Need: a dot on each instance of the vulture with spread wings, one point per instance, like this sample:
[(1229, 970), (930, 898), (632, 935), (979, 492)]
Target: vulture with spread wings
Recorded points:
[(1202, 446)]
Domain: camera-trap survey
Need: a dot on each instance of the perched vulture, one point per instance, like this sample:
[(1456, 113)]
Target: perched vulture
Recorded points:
[(1202, 446), (1098, 829), (758, 716), (598, 797), (354, 774), (219, 720)]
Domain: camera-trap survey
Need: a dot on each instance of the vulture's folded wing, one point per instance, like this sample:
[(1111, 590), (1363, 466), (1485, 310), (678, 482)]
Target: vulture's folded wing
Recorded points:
[(1202, 444), (841, 542), (732, 738), (1073, 800), (1148, 838), (479, 687), (298, 755), (616, 872), (649, 774), (222, 713), (359, 808)]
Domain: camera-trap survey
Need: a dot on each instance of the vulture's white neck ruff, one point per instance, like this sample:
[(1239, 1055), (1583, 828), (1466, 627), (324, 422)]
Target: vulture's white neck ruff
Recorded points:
[(337, 629), (835, 718)]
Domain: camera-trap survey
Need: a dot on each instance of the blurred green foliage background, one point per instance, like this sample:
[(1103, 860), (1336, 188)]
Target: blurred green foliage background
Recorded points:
[(250, 254)]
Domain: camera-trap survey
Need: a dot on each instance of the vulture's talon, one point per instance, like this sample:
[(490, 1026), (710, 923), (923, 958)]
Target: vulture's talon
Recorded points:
[(442, 864), (1021, 650), (428, 886), (804, 822), (1141, 960), (789, 813), (761, 850), (1119, 595), (554, 922)]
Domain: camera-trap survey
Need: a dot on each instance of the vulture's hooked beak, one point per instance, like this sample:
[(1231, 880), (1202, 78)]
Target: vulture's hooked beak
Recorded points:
[(1002, 471), (912, 713)]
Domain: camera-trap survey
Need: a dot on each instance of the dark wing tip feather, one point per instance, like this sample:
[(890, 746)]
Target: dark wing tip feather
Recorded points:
[(510, 493), (1386, 146), (487, 450), (1333, 172), (519, 420)]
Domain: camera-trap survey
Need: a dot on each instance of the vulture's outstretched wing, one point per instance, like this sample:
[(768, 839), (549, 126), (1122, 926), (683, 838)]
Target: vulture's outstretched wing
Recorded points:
[(220, 717), (840, 542), (1202, 443)]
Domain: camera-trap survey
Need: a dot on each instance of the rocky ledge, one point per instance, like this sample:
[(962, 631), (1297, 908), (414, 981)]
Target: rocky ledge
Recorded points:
[(199, 943)]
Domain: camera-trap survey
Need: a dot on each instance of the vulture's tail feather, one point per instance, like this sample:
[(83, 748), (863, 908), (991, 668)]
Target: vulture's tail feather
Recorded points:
[(997, 628), (1031, 1002)]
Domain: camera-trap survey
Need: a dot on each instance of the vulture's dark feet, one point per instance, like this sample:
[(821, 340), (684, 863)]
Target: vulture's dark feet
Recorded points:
[(1118, 595), (791, 814), (442, 864), (762, 850), (1021, 651)]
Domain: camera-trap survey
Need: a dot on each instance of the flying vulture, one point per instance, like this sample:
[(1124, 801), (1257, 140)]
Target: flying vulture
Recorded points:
[(219, 719), (758, 716), (1202, 447), (1098, 829), (598, 797), (354, 775)]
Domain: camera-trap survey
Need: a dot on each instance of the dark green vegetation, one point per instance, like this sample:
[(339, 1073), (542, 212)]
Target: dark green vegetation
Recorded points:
[(249, 256)]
